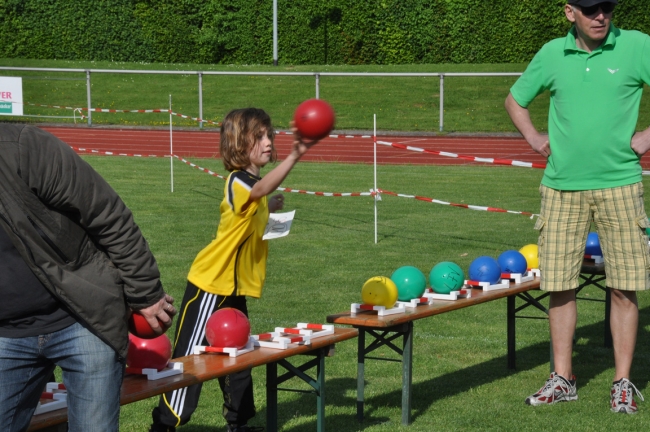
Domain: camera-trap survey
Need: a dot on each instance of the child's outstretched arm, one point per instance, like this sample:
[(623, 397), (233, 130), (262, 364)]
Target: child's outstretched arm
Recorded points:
[(275, 177)]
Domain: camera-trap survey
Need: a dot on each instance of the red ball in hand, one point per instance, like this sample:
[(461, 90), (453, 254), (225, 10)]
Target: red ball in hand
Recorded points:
[(314, 119), (149, 353), (139, 326), (228, 328)]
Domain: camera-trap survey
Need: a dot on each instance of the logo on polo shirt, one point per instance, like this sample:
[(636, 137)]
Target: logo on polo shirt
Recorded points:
[(612, 71)]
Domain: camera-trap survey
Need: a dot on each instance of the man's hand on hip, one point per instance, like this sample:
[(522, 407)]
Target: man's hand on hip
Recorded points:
[(540, 144), (641, 142)]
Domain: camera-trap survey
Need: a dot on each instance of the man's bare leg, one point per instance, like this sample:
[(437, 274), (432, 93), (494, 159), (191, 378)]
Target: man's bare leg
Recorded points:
[(624, 321), (563, 316)]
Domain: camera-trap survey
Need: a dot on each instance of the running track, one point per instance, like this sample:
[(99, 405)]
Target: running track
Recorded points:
[(351, 149)]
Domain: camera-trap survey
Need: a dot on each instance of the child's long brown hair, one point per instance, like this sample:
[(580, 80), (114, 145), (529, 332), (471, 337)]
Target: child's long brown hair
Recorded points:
[(240, 131)]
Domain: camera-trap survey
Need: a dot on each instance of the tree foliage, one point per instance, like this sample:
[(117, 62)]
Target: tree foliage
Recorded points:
[(310, 31)]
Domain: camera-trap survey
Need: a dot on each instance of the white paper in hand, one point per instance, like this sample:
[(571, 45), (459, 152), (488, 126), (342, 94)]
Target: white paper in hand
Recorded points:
[(279, 225)]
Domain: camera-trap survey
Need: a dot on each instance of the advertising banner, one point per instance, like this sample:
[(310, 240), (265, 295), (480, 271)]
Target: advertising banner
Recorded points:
[(11, 96)]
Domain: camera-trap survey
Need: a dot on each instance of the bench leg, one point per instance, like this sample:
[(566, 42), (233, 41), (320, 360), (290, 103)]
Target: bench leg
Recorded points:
[(320, 394), (407, 374), (512, 348), (271, 397), (608, 312), (385, 338), (529, 300), (300, 372), (361, 358)]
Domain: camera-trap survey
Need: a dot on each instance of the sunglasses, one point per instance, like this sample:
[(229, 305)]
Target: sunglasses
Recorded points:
[(606, 7)]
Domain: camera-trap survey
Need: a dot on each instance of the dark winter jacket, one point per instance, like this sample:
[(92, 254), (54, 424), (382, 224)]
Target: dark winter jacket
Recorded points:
[(74, 232)]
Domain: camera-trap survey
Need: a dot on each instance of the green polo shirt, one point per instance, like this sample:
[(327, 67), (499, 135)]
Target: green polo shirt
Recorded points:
[(594, 108)]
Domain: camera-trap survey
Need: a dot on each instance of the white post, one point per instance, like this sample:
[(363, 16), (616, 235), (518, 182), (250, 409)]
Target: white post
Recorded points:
[(275, 32), (171, 146), (442, 101), (375, 165), (200, 100), (90, 113)]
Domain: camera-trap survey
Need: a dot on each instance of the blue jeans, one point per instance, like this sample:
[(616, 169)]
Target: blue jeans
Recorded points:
[(92, 374)]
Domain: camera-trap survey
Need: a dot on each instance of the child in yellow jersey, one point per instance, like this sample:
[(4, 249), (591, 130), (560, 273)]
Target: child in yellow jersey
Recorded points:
[(233, 265)]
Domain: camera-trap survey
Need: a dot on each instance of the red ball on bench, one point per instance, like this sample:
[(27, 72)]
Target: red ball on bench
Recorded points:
[(149, 353), (228, 328)]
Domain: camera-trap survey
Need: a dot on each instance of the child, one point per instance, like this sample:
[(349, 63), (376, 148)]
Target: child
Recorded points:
[(233, 265)]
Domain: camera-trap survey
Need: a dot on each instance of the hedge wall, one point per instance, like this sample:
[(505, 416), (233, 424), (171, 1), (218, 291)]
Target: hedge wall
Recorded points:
[(310, 31)]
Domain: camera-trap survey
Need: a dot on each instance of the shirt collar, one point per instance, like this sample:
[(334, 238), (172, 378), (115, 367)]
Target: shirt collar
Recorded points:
[(610, 40)]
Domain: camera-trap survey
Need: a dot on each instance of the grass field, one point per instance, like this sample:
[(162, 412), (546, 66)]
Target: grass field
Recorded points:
[(460, 377), (472, 104)]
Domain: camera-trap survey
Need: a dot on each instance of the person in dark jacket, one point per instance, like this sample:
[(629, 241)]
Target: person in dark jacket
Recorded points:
[(73, 266)]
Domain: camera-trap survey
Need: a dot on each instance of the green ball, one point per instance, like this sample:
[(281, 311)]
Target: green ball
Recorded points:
[(410, 282), (446, 277)]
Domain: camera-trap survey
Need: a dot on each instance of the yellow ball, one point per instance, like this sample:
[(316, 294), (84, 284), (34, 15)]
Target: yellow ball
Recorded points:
[(379, 291), (531, 253)]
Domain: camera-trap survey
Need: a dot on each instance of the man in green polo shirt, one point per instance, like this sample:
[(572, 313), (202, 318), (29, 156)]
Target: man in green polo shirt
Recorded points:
[(595, 75)]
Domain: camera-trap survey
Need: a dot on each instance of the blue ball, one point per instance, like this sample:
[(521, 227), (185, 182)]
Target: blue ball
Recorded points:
[(593, 245), (512, 261), (485, 269)]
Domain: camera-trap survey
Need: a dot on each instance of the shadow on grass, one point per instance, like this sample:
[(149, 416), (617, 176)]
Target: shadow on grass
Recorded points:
[(590, 359)]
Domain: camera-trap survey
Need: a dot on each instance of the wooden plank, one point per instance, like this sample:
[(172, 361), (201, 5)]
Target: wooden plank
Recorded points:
[(371, 319), (200, 368), (589, 267)]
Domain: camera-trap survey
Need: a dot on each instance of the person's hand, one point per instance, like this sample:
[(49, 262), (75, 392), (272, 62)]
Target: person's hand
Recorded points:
[(300, 147), (641, 142), (160, 314), (276, 202), (540, 144)]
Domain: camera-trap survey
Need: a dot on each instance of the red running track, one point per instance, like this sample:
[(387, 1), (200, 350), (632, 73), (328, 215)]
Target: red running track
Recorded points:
[(350, 149)]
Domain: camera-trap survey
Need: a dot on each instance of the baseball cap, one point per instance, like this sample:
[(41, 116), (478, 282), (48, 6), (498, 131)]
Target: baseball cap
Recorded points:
[(587, 3)]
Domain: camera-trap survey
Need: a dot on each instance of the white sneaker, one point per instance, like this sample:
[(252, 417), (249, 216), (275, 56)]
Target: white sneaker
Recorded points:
[(622, 397), (556, 389)]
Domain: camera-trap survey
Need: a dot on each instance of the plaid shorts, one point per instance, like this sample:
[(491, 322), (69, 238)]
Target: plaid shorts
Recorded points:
[(619, 216)]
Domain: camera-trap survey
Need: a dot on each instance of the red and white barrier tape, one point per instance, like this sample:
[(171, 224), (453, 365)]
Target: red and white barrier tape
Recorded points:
[(53, 106), (466, 157), (281, 189), (327, 194), (205, 170), (149, 111), (466, 206), (508, 162), (330, 136), (495, 161), (136, 111), (109, 153), (372, 193)]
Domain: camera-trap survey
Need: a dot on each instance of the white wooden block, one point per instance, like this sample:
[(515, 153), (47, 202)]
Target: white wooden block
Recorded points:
[(487, 286)]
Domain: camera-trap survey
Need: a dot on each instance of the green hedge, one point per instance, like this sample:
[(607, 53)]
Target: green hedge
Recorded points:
[(310, 31)]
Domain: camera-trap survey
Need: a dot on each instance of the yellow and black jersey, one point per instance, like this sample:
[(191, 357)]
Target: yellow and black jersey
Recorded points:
[(234, 263)]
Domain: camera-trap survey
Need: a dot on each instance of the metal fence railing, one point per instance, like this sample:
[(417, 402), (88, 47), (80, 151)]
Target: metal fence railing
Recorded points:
[(316, 75)]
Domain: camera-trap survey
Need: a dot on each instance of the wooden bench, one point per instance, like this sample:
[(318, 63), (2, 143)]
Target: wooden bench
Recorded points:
[(204, 367), (385, 329)]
